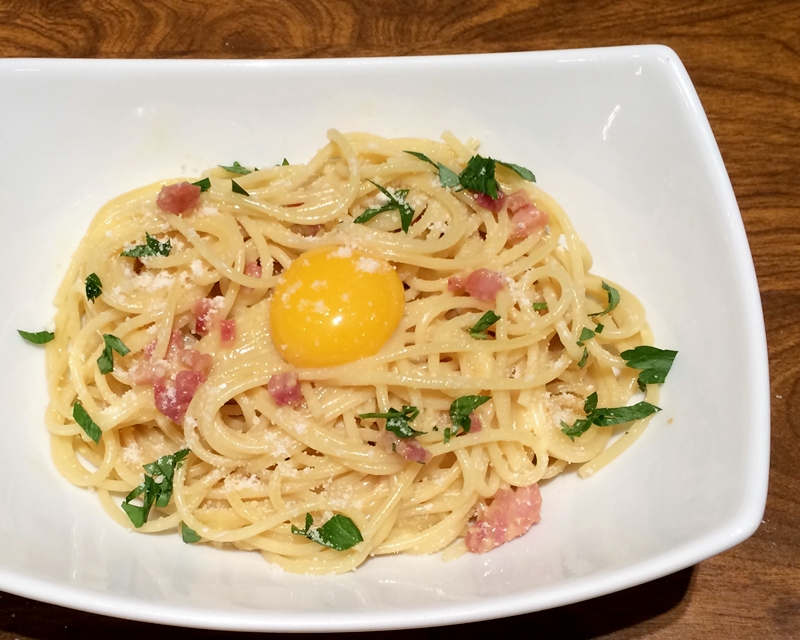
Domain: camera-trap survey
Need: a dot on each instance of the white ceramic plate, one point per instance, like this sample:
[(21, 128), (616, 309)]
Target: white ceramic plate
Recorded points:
[(618, 136)]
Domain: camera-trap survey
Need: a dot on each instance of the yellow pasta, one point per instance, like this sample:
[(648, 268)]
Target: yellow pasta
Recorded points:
[(201, 370)]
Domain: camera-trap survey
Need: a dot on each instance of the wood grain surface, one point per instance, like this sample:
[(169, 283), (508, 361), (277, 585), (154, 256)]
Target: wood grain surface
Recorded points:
[(744, 58)]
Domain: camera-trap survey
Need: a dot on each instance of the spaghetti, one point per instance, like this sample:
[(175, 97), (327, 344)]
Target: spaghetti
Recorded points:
[(496, 314)]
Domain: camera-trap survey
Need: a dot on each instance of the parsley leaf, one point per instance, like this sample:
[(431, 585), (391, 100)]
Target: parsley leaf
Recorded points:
[(655, 363), (478, 330), (156, 487), (85, 422), (447, 177), (285, 163), (339, 533), (93, 287), (236, 168), (106, 360), (204, 184), (613, 301), (606, 416), (540, 306), (584, 358), (522, 172), (396, 202), (397, 421), (40, 337), (188, 534), (586, 334), (152, 247), (237, 189), (460, 411), (478, 176)]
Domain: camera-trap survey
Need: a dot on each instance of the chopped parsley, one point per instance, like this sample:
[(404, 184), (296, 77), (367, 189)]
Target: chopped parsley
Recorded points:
[(584, 358), (156, 487), (40, 337), (540, 306), (396, 202), (236, 168), (447, 177), (339, 533), (106, 360), (151, 247), (478, 330), (285, 163), (204, 184), (606, 416), (613, 301), (237, 189), (93, 287), (460, 411), (398, 421), (654, 363), (85, 422), (586, 334), (478, 175), (188, 534)]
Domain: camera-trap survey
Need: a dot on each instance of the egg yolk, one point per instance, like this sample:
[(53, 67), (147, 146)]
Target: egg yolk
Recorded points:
[(335, 305)]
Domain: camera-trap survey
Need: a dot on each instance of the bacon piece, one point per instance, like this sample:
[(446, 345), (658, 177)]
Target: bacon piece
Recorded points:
[(409, 448), (285, 389), (455, 284), (253, 269), (178, 198), (475, 424), (227, 331), (525, 217), (510, 514), (483, 284), (202, 311), (173, 400), (487, 202)]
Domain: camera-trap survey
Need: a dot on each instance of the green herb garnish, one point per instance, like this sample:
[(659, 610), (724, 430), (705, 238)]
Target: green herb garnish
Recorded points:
[(237, 189), (156, 487), (204, 184), (398, 421), (85, 422), (655, 363), (613, 301), (586, 334), (478, 176), (339, 533), (396, 202), (460, 411), (93, 287), (447, 178), (236, 168), (606, 416), (285, 163), (40, 337), (106, 360), (522, 172), (152, 247), (540, 306), (478, 330), (584, 358), (188, 534)]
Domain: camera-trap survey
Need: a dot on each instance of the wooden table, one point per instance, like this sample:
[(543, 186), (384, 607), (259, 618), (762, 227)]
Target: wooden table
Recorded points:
[(744, 58)]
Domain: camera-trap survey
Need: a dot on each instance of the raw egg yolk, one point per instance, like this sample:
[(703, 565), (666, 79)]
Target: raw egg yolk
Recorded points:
[(335, 305)]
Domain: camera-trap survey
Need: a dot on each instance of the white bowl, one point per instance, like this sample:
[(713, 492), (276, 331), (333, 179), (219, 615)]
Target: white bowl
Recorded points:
[(617, 135)]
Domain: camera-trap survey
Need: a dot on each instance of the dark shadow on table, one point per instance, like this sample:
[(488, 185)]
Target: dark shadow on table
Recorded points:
[(659, 603)]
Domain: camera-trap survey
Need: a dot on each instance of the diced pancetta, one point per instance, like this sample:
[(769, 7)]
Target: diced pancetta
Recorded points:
[(511, 513), (475, 424), (285, 389), (455, 284), (253, 269), (227, 331), (525, 217), (409, 448), (178, 198), (484, 284), (487, 202)]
